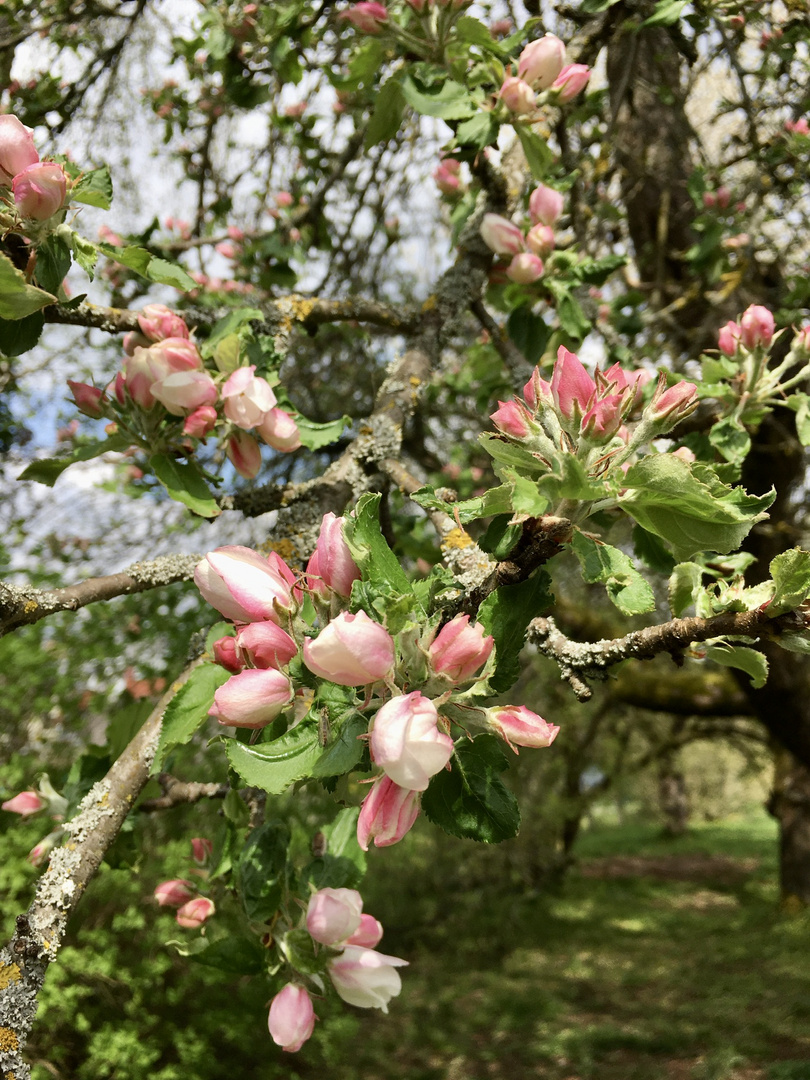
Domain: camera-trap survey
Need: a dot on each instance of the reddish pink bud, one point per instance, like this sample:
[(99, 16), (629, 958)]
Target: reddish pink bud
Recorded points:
[(17, 150), (795, 127), (247, 397), (174, 893), (540, 240), (292, 1017), (756, 327), (675, 403), (27, 802), (226, 654), (571, 81), (184, 391), (517, 96), (158, 322), (709, 200), (333, 915), (801, 342), (541, 61), (525, 268), (537, 390), (194, 913), (244, 453), (369, 18), (571, 385), (39, 853), (244, 585), (501, 236), (387, 814), (333, 561), (368, 934), (406, 742), (252, 699), (603, 419), (141, 371), (723, 196), (728, 340), (512, 419), (179, 354), (519, 726), (447, 176), (88, 398), (279, 430), (351, 650), (459, 650), (201, 850), (201, 422), (366, 978), (40, 190), (266, 645)]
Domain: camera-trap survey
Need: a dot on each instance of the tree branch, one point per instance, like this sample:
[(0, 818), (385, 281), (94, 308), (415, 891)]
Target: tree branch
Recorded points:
[(180, 792)]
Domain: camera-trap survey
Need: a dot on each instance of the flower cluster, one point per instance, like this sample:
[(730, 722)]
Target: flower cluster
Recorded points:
[(38, 188), (163, 397), (527, 248), (192, 909), (28, 803), (755, 329), (543, 78)]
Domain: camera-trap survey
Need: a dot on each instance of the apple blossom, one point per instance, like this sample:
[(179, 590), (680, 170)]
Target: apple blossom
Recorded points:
[(368, 934), (279, 430), (40, 190), (601, 422), (446, 175), (756, 326), (184, 391), (541, 61), (247, 397), (571, 386), (252, 699), (244, 453), (519, 726), (195, 912), (366, 978), (545, 205), (27, 802), (157, 322), (517, 95), (459, 650), (525, 268), (540, 240), (292, 1017), (369, 18), (243, 585), (728, 339), (511, 418), (201, 850), (88, 398), (674, 403), (571, 81), (333, 915), (387, 814), (17, 150), (265, 645), (201, 422), (406, 742), (351, 650), (227, 655), (501, 236), (174, 893)]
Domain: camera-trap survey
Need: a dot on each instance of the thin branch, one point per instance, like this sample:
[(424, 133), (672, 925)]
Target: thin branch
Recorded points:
[(182, 793)]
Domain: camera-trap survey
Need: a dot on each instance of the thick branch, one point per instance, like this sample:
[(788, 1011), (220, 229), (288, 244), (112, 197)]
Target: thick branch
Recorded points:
[(25, 960), (21, 605)]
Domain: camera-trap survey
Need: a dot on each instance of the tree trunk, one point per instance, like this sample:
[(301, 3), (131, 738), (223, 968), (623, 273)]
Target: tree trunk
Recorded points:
[(673, 798), (790, 805)]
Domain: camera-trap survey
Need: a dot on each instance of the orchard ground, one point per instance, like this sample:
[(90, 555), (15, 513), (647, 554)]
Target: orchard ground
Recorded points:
[(652, 960)]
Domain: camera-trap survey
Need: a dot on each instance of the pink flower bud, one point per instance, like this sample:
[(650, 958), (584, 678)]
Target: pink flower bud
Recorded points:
[(201, 850), (728, 340), (801, 342), (387, 814), (601, 422), (247, 397), (709, 200), (351, 650), (199, 423), (723, 196), (332, 561), (252, 699), (88, 398), (459, 650), (675, 403), (517, 96), (266, 645), (369, 18), (541, 61), (174, 893), (525, 268), (756, 327), (366, 978), (571, 81), (368, 934), (519, 726), (571, 385), (244, 453), (39, 853), (540, 240), (185, 391), (406, 742), (134, 340), (244, 585), (158, 322), (279, 430), (447, 176), (537, 390), (501, 236), (512, 419), (40, 190), (141, 371), (17, 150), (27, 802), (178, 353), (194, 913), (333, 915), (545, 205), (292, 1017), (226, 654)]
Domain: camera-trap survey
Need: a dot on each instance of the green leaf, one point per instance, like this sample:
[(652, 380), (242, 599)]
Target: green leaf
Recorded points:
[(475, 33), (389, 107), (149, 266), (19, 335), (17, 297), (262, 870), (529, 332), (494, 501), (53, 263), (750, 661), (48, 470), (501, 536), (625, 586), (687, 505), (569, 480), (452, 102), (597, 271), (232, 323), (791, 576), (471, 800), (185, 484), (168, 273), (235, 955), (685, 584), (275, 765), (572, 318), (508, 453), (188, 709), (315, 435), (344, 748), (378, 564), (94, 189), (650, 549), (538, 156), (800, 403), (344, 863), (666, 13), (479, 131), (506, 613), (217, 631), (730, 438), (85, 253)]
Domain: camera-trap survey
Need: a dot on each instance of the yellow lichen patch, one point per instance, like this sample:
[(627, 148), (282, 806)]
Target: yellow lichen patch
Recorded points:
[(9, 973), (430, 303), (414, 381), (302, 309), (104, 801), (285, 548), (30, 606), (457, 539), (8, 1040)]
